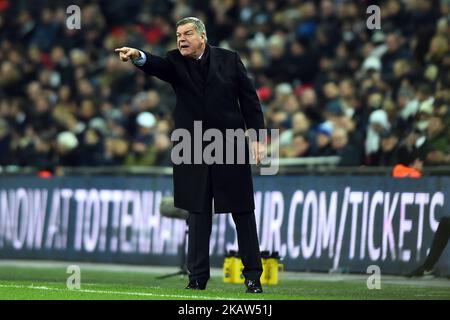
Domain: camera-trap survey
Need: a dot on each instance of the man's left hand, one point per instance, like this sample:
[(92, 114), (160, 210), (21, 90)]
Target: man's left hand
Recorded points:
[(258, 151)]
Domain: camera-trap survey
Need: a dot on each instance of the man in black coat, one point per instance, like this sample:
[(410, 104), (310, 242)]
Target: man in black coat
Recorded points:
[(211, 86)]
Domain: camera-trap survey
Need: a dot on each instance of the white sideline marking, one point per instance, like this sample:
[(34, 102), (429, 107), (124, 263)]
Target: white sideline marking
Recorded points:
[(146, 294)]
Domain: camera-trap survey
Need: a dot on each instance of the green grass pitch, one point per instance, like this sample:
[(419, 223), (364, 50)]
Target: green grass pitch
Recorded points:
[(47, 280)]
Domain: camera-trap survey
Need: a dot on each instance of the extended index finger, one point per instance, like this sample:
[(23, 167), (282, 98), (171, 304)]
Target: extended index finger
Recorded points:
[(123, 49)]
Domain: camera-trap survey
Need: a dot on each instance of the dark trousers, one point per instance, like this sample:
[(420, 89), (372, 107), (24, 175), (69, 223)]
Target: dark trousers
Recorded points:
[(200, 225)]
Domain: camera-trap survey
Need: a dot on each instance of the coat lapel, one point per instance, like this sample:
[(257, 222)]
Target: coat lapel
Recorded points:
[(212, 64)]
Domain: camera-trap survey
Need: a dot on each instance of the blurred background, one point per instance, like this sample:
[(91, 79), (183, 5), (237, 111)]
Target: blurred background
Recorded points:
[(331, 86)]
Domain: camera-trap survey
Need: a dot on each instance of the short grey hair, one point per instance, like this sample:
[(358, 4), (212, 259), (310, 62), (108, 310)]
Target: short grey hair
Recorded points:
[(198, 24)]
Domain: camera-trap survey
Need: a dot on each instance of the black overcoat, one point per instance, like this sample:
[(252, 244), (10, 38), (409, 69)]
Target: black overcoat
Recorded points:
[(225, 100)]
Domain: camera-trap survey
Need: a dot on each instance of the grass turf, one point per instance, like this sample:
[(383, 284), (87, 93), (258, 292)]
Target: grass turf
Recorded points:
[(49, 282)]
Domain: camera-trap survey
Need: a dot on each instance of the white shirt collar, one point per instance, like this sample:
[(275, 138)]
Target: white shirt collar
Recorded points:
[(202, 54)]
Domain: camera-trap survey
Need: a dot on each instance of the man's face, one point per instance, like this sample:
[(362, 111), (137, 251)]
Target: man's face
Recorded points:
[(339, 139), (190, 43), (435, 126), (300, 145), (322, 140), (392, 42), (388, 143), (300, 123)]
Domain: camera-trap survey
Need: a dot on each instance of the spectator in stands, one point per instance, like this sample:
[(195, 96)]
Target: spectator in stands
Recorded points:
[(278, 68), (395, 51), (302, 61), (91, 150), (163, 150), (67, 149), (300, 124), (299, 148), (409, 111), (142, 150), (146, 122), (43, 156), (387, 154), (310, 105), (322, 147), (341, 147), (413, 145), (140, 154), (438, 141), (378, 122), (116, 151)]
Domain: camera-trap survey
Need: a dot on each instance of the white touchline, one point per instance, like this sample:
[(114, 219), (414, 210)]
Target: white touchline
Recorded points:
[(148, 294)]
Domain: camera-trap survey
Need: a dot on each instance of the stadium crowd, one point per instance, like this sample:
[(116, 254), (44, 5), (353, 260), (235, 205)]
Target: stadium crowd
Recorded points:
[(331, 85)]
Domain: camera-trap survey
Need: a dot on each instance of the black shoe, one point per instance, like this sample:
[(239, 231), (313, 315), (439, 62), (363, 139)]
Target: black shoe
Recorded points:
[(196, 285), (253, 286)]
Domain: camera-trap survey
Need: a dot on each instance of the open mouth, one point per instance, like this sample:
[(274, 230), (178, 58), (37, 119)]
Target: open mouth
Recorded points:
[(184, 46)]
